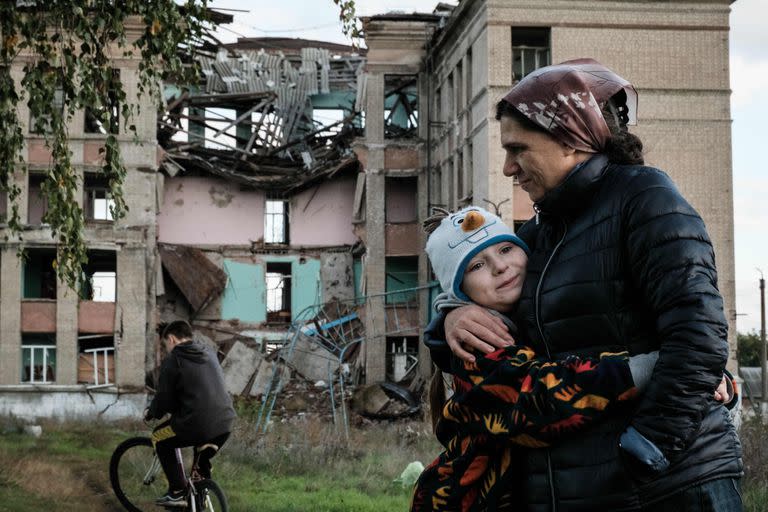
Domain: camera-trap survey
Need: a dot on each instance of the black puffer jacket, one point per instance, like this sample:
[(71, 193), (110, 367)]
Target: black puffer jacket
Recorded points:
[(621, 260), (191, 388)]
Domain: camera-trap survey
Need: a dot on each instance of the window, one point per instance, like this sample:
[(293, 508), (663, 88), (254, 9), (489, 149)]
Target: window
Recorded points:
[(400, 199), (98, 201), (105, 119), (38, 274), (468, 79), (401, 106), (530, 50), (96, 360), (402, 276), (42, 124), (99, 277), (278, 292), (402, 360), (468, 172), (37, 204), (276, 221), (38, 358), (459, 77), (220, 130)]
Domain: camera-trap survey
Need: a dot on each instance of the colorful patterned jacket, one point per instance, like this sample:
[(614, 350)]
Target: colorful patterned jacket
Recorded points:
[(507, 399)]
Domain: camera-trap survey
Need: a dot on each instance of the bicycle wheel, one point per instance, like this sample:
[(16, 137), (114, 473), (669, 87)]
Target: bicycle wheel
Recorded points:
[(136, 475), (210, 497)]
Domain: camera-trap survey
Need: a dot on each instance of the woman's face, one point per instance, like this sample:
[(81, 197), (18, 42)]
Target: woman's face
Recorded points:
[(540, 162), (494, 276)]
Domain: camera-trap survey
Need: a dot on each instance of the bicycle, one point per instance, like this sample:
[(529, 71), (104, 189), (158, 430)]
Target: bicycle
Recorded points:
[(137, 479)]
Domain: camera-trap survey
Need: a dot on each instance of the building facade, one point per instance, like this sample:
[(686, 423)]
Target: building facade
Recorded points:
[(675, 53), (66, 353)]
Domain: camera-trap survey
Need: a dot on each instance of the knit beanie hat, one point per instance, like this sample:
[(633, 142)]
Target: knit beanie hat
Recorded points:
[(458, 238)]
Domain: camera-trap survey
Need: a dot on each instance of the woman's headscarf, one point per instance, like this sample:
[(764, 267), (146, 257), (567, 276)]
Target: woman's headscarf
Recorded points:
[(565, 99)]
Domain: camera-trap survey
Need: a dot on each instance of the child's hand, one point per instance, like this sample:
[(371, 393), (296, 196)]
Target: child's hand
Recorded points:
[(473, 327), (721, 393)]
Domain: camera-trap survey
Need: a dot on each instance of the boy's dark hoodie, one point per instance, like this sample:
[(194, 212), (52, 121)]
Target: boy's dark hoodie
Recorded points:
[(191, 389)]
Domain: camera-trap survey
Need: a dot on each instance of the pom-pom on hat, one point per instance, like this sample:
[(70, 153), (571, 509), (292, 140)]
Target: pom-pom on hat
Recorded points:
[(458, 238)]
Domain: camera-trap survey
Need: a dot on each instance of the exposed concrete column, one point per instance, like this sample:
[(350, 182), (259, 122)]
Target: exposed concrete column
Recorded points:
[(130, 344), (10, 316), (375, 258), (66, 334), (375, 265), (425, 366)]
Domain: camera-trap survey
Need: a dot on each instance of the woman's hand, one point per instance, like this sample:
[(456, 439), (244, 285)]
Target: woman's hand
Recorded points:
[(722, 393), (473, 327)]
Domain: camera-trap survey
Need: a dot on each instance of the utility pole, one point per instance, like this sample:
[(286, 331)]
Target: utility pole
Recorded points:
[(763, 355)]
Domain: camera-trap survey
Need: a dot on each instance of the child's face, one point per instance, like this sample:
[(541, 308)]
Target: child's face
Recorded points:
[(494, 276)]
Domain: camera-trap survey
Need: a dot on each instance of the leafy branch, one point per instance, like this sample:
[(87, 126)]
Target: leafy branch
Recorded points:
[(65, 51)]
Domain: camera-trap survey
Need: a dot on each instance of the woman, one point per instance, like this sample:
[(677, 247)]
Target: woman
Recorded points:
[(618, 258)]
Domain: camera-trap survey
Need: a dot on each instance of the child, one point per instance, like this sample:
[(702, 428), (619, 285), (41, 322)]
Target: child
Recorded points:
[(191, 389), (509, 396)]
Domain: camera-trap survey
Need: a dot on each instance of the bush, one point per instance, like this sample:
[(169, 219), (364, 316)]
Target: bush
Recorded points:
[(754, 440), (749, 348)]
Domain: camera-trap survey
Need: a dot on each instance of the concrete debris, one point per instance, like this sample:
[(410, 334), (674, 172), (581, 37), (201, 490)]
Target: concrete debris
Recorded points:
[(239, 366), (385, 401)]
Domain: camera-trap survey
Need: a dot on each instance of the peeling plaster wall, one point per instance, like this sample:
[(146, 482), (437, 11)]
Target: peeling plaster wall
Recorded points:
[(205, 211), (322, 216)]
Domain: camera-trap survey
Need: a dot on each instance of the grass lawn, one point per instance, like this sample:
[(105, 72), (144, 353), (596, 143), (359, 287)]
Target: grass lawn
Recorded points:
[(301, 466)]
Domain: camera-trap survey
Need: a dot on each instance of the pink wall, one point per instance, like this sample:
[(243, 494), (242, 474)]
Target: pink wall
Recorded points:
[(326, 218), (202, 211)]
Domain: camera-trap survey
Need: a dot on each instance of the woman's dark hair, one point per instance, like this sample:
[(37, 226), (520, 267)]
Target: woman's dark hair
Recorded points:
[(505, 109), (622, 148), (179, 328)]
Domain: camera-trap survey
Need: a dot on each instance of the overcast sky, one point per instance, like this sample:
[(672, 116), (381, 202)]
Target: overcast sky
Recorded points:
[(749, 77)]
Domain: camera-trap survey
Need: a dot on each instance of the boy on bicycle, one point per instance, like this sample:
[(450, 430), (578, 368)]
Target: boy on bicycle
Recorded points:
[(191, 389)]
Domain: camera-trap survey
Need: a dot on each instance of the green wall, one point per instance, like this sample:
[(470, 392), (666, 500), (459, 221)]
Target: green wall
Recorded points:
[(245, 297)]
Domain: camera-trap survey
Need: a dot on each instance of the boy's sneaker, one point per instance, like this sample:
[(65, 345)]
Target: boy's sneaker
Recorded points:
[(172, 499)]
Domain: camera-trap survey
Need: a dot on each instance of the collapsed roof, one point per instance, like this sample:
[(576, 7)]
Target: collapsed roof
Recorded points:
[(254, 119)]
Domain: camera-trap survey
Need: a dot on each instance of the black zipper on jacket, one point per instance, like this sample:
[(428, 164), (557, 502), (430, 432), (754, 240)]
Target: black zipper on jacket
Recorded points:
[(537, 300), (546, 346)]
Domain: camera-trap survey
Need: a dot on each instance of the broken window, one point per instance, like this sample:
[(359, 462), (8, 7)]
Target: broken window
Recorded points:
[(38, 274), (530, 50), (402, 356), (400, 199), (96, 360), (98, 201), (220, 131), (401, 106), (402, 277), (99, 277), (43, 124), (105, 119), (276, 221), (278, 292), (38, 358), (37, 204)]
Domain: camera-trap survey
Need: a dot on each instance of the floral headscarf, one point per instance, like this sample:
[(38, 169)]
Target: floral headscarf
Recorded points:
[(565, 99)]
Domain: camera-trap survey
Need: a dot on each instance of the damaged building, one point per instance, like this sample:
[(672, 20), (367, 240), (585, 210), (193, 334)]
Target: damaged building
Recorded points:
[(282, 209)]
